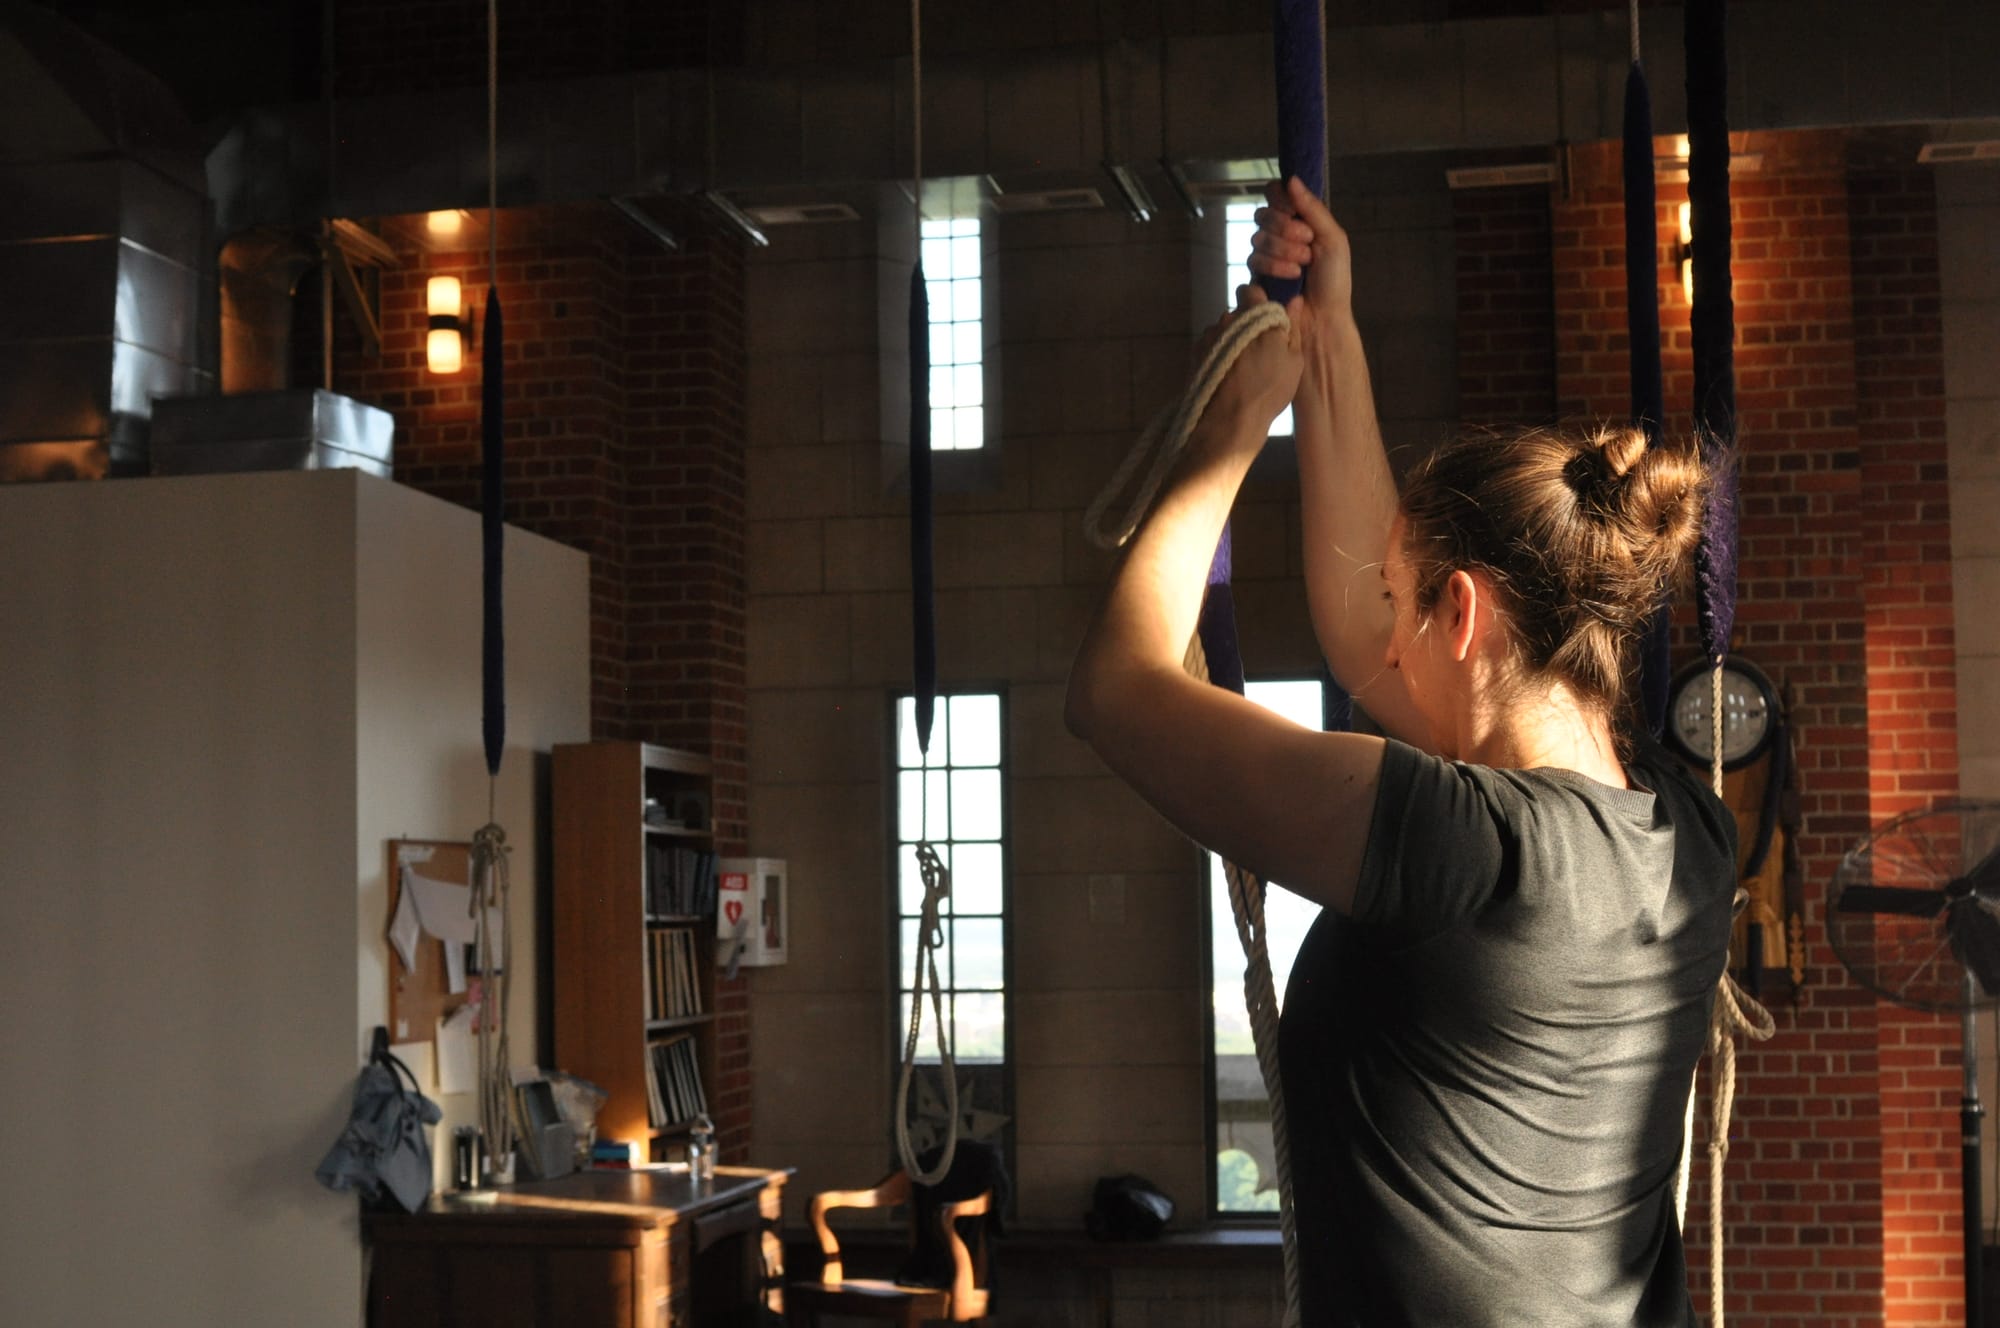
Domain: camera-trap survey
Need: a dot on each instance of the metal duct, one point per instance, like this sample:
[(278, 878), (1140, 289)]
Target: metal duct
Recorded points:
[(102, 217)]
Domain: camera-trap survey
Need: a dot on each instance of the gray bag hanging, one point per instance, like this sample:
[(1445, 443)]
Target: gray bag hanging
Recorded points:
[(384, 1153)]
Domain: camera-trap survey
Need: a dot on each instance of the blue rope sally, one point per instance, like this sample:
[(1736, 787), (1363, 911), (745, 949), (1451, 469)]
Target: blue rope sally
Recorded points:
[(1299, 55), (923, 604), (1713, 321), (1642, 325), (492, 516)]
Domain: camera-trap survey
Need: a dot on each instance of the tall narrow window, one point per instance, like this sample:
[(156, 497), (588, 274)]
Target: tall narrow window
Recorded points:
[(952, 283), (1239, 225), (1246, 1176), (954, 800)]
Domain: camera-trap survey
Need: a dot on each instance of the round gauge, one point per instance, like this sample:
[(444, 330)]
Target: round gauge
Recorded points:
[(1749, 712)]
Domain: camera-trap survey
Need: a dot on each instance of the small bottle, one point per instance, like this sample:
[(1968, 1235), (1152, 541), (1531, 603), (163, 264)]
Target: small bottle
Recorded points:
[(701, 1149)]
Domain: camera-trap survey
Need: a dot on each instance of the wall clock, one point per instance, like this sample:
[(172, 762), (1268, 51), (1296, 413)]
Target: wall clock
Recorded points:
[(1749, 712)]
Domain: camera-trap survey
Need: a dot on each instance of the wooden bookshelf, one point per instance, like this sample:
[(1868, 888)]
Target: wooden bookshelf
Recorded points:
[(606, 1011)]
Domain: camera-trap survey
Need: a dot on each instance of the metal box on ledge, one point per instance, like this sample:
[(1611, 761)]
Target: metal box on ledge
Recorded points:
[(298, 429)]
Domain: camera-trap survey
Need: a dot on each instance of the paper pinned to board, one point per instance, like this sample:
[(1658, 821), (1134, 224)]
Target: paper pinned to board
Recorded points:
[(458, 1051), (419, 1057), (445, 910)]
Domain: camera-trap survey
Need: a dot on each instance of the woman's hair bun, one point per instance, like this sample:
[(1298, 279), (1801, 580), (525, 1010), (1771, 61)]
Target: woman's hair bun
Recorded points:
[(1599, 472)]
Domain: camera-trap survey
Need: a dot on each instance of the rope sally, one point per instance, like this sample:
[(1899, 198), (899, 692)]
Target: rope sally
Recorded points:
[(923, 619), (490, 885)]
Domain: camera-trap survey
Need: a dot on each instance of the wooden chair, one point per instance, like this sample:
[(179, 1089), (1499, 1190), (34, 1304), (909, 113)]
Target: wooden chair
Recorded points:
[(872, 1298)]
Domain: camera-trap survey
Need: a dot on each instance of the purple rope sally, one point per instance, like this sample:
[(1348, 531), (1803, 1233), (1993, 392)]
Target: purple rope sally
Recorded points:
[(1713, 322), (1299, 57), (492, 515)]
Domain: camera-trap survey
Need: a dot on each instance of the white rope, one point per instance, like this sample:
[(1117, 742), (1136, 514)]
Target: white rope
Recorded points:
[(493, 142), (930, 935), (490, 891), (1734, 1012), (1164, 438), (1633, 22)]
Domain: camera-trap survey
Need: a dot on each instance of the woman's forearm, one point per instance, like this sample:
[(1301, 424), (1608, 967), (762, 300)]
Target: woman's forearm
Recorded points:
[(1154, 602), (1347, 496)]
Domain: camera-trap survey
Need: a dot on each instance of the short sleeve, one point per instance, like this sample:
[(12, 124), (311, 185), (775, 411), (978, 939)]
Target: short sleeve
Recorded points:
[(1436, 849)]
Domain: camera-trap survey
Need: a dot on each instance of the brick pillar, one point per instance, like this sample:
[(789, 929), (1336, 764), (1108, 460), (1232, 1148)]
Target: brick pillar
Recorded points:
[(686, 525), (1912, 691)]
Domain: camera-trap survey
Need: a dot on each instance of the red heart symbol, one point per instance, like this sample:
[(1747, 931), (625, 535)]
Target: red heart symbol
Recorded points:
[(734, 910)]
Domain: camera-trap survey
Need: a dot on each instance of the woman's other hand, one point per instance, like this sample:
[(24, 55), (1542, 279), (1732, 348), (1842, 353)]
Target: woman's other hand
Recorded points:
[(1265, 376)]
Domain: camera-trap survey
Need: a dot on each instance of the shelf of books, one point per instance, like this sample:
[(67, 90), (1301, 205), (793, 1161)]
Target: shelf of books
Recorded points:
[(633, 924)]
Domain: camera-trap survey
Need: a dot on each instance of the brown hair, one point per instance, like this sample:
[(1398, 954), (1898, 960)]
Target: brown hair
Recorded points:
[(1582, 536)]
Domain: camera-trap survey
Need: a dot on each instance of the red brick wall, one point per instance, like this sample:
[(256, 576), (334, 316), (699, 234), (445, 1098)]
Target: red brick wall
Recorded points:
[(1506, 306), (624, 426), (1842, 1188)]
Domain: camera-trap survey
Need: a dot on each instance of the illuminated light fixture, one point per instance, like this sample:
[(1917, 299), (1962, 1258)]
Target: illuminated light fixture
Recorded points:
[(445, 224), (1685, 251), (444, 345)]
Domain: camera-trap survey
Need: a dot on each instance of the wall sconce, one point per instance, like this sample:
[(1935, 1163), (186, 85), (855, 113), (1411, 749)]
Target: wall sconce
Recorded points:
[(444, 345), (1685, 252)]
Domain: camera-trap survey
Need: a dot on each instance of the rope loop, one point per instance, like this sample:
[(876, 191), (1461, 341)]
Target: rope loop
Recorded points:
[(1170, 430), (930, 938)]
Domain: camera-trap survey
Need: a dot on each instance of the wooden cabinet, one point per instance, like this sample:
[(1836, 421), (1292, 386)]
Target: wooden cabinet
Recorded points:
[(633, 932), (600, 1249)]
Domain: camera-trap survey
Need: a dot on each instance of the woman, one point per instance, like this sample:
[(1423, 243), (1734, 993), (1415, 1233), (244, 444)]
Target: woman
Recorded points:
[(1489, 1035)]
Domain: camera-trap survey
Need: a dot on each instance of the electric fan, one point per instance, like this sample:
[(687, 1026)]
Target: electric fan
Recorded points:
[(1914, 914)]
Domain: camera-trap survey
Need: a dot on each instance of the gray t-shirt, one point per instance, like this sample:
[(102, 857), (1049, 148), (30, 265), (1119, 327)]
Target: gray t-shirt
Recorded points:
[(1486, 1068)]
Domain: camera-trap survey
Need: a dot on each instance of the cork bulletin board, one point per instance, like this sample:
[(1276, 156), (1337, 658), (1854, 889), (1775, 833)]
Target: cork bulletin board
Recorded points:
[(420, 996)]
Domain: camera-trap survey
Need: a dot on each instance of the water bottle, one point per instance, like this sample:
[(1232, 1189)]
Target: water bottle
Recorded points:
[(701, 1149)]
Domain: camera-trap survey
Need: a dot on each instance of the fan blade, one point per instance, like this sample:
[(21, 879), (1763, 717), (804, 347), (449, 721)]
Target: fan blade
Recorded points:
[(1885, 899), (1985, 877), (1975, 939)]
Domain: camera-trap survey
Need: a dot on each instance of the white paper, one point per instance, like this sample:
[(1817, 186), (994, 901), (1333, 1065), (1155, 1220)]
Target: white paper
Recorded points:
[(406, 928), (457, 1052), (446, 911), (421, 1058)]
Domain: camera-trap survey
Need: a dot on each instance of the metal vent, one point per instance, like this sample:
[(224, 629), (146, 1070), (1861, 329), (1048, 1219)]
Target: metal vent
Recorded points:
[(1987, 149), (1049, 200), (1488, 177), (1674, 170), (802, 214), (1227, 189)]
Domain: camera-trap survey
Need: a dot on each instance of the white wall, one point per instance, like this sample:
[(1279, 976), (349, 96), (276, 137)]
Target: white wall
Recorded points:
[(183, 856)]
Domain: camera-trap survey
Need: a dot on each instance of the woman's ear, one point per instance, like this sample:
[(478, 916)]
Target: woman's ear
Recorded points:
[(1462, 612)]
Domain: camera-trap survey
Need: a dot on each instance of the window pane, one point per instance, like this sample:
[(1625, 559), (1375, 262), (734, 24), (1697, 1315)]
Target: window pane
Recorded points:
[(965, 256), (923, 813), (981, 1025), (944, 386), (927, 1039), (977, 954), (1245, 1168), (942, 337), (968, 387), (975, 731), (975, 804), (964, 301), (943, 432), (908, 753), (968, 428), (975, 878), (963, 226), (937, 260), (965, 347)]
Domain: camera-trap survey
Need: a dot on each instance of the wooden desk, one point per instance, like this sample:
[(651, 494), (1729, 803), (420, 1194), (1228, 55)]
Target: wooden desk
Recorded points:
[(600, 1249)]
